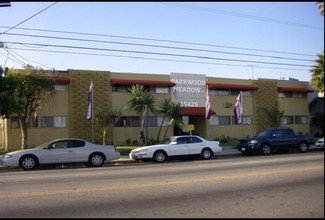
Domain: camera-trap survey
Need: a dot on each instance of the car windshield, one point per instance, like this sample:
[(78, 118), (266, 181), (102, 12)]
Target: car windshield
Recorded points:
[(266, 133), (43, 145), (170, 140)]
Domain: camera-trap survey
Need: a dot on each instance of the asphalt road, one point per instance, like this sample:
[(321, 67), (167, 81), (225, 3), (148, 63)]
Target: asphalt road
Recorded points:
[(275, 186)]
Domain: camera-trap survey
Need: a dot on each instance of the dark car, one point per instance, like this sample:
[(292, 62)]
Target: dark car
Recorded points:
[(275, 139)]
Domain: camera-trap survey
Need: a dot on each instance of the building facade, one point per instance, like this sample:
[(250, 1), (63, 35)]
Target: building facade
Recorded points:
[(65, 115)]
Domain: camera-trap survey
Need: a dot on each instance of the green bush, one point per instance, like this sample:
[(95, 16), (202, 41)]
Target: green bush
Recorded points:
[(125, 150)]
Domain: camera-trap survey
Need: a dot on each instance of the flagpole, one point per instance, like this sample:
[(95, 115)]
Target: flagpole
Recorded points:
[(242, 116), (92, 114), (90, 111)]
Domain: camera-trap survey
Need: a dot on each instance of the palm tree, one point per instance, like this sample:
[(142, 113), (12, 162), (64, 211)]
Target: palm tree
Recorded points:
[(274, 115), (175, 117), (104, 119), (142, 103), (321, 7), (317, 80), (164, 110)]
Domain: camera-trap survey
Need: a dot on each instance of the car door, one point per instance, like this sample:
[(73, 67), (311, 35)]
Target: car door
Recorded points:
[(81, 151), (179, 147), (281, 140), (195, 145), (57, 152)]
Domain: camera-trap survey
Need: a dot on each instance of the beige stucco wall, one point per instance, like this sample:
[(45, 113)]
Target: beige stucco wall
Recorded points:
[(73, 103)]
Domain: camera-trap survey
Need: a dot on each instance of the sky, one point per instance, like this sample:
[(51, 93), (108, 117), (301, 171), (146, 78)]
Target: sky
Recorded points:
[(240, 40)]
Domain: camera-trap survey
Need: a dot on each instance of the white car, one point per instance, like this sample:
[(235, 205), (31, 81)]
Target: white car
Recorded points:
[(61, 151), (320, 143), (186, 145)]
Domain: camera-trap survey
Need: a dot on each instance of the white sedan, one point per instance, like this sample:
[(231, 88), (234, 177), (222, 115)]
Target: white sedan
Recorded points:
[(176, 146), (61, 151), (320, 143)]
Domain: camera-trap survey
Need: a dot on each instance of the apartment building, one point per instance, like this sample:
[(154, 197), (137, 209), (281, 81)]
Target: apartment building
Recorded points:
[(65, 114)]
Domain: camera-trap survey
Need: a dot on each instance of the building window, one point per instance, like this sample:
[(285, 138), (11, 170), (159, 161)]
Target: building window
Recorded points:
[(53, 122), (132, 121), (160, 119), (300, 119), (299, 95), (60, 87), (120, 88), (162, 90), (220, 120), (229, 92), (247, 120), (287, 120), (292, 95)]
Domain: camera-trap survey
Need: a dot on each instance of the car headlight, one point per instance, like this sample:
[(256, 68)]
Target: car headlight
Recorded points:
[(6, 156), (253, 141), (144, 151)]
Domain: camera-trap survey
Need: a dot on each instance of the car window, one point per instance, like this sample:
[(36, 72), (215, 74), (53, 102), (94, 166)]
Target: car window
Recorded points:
[(182, 140), (78, 143), (59, 145), (278, 133), (194, 140)]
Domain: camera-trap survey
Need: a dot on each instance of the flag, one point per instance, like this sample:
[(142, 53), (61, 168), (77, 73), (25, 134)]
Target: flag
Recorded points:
[(208, 111), (90, 102), (238, 109)]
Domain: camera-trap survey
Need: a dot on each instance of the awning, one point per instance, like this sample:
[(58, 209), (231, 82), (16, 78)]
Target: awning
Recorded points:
[(60, 79), (290, 89), (142, 82), (195, 111), (232, 86)]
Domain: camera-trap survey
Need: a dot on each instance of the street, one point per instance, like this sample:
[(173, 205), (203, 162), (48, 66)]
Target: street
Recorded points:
[(275, 186)]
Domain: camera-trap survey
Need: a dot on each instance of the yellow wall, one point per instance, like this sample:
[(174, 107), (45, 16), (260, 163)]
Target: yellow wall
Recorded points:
[(74, 102)]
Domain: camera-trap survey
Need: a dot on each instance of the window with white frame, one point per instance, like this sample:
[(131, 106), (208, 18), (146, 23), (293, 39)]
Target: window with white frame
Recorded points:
[(53, 121), (287, 120), (219, 120), (301, 119)]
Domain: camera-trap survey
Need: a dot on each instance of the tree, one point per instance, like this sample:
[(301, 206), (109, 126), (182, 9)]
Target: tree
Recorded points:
[(104, 119), (175, 117), (34, 88), (318, 121), (321, 7), (317, 80), (164, 110), (7, 88), (142, 103), (274, 115)]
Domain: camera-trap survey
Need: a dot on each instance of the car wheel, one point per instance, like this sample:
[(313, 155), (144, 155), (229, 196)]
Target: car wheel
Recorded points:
[(96, 160), (28, 162), (159, 157), (206, 154), (303, 147), (266, 149)]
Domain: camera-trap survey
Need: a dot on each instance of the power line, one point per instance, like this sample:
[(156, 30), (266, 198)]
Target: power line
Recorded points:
[(154, 53), (240, 15), (157, 59), (11, 52), (158, 46), (161, 40), (28, 18)]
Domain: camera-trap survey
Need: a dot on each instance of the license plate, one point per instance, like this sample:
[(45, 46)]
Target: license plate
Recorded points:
[(243, 149)]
